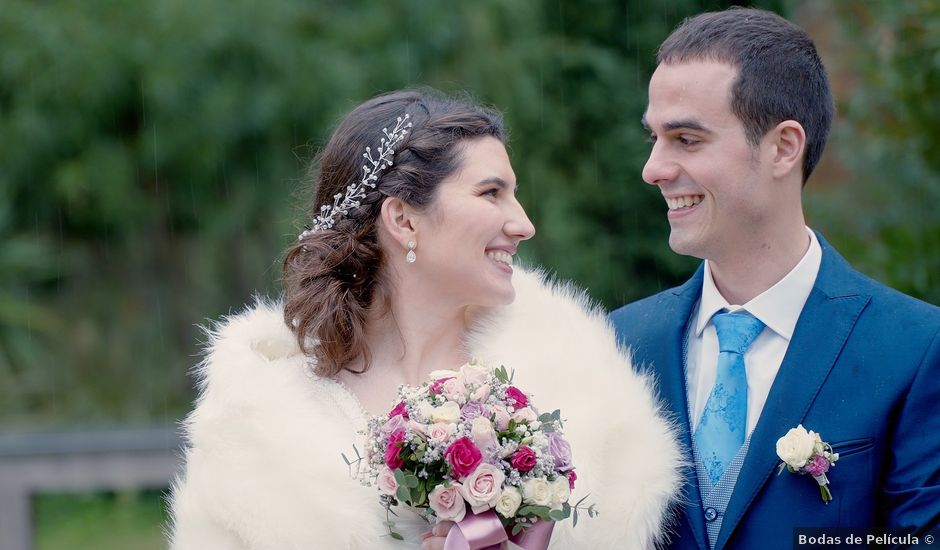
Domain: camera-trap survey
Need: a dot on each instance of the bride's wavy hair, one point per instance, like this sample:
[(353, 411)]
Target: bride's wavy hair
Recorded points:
[(334, 277)]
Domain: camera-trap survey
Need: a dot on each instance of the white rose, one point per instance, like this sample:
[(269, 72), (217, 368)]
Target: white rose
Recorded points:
[(817, 443), (448, 413), (509, 501), (537, 491), (473, 374), (560, 491), (386, 481), (447, 502), (538, 440), (424, 411), (481, 489), (797, 447), (441, 432), (482, 433)]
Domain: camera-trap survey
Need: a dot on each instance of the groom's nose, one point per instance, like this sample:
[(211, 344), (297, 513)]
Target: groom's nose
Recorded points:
[(659, 168)]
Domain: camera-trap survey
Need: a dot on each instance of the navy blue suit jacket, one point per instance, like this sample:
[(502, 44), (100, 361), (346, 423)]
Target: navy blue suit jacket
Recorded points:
[(862, 370)]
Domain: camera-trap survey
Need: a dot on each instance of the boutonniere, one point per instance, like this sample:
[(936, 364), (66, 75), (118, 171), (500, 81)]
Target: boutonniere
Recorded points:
[(804, 452)]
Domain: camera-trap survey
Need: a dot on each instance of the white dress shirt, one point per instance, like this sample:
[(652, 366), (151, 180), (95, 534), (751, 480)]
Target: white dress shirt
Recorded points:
[(778, 307)]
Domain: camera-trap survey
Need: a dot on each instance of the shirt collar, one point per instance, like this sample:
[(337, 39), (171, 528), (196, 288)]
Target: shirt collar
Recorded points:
[(779, 306)]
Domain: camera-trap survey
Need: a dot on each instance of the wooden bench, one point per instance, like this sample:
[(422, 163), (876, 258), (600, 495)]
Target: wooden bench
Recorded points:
[(78, 462)]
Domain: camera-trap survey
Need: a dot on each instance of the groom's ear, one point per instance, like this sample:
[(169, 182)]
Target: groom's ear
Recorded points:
[(789, 145)]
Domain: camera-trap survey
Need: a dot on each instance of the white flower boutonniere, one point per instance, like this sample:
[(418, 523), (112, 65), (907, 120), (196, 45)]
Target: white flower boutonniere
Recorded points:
[(804, 452)]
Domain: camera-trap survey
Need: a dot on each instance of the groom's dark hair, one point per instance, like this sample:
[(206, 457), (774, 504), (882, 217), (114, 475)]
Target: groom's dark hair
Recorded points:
[(780, 76)]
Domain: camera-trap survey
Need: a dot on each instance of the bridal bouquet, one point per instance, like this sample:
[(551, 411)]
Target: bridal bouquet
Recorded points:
[(468, 446)]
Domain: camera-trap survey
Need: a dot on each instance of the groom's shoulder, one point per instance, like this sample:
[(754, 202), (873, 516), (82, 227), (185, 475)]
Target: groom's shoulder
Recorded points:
[(637, 314), (641, 305), (885, 301)]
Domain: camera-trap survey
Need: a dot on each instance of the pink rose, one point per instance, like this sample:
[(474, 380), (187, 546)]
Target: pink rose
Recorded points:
[(440, 432), (399, 410), (482, 487), (474, 375), (463, 456), (455, 390), (572, 477), (516, 398), (481, 394), (501, 417), (817, 466), (447, 502), (386, 482), (394, 450), (438, 384), (525, 414), (523, 459)]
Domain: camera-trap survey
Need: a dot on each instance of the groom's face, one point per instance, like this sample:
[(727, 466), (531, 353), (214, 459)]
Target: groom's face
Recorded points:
[(712, 179)]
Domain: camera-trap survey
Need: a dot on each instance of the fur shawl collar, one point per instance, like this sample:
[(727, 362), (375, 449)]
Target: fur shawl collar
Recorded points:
[(263, 469)]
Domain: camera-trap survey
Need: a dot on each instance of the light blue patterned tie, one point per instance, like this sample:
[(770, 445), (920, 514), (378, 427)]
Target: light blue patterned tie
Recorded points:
[(720, 432)]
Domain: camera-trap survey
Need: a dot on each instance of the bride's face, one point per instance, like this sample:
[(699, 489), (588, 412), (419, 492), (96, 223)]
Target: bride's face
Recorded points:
[(471, 231)]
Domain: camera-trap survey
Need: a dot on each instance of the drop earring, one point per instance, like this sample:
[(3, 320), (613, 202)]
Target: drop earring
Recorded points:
[(411, 257)]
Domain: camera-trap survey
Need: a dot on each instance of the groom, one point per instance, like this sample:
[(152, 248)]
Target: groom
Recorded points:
[(775, 329)]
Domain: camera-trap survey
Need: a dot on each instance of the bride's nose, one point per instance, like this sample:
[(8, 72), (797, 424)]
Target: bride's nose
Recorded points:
[(518, 224)]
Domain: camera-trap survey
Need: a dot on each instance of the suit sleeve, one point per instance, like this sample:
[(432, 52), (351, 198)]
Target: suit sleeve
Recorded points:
[(911, 494)]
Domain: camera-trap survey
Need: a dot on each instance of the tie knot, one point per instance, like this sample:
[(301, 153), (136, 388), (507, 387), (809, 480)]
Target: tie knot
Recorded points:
[(736, 331)]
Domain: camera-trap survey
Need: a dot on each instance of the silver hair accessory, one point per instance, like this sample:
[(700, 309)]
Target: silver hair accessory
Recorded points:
[(343, 203)]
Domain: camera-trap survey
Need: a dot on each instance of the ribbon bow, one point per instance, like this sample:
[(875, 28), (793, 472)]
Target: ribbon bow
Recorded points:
[(485, 532)]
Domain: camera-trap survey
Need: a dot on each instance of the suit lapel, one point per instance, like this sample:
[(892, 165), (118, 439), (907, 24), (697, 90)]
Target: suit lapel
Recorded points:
[(667, 355), (827, 319)]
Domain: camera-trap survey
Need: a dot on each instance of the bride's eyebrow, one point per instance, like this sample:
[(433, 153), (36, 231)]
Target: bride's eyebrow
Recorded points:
[(498, 181)]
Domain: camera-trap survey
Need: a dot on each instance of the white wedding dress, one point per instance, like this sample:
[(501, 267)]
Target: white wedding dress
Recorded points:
[(263, 464)]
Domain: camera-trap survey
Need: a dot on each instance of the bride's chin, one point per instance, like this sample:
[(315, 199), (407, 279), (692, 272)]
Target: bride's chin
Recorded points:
[(496, 299)]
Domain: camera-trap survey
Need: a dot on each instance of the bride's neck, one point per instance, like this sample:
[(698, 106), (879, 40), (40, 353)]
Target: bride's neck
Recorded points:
[(411, 341), (406, 343)]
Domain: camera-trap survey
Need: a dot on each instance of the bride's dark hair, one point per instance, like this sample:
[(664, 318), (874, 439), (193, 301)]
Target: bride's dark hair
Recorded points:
[(333, 277)]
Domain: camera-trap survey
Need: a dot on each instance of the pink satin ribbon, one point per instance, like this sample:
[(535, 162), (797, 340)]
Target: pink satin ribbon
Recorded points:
[(535, 537), (485, 532)]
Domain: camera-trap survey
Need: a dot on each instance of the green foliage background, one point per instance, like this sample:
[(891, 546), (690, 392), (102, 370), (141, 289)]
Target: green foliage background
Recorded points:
[(153, 153)]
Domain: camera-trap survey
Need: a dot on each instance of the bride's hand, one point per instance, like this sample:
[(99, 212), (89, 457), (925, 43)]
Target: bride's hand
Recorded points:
[(434, 540)]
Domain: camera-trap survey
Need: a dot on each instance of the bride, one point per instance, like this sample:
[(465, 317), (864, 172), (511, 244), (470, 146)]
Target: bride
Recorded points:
[(406, 268)]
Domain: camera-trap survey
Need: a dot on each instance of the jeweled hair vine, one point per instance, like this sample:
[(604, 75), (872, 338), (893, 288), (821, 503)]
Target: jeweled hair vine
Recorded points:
[(371, 172)]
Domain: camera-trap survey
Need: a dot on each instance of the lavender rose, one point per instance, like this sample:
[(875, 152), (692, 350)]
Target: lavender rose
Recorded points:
[(561, 450), (471, 410)]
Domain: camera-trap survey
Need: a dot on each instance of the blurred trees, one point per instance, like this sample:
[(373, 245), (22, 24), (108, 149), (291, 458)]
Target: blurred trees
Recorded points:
[(876, 196), (152, 161)]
